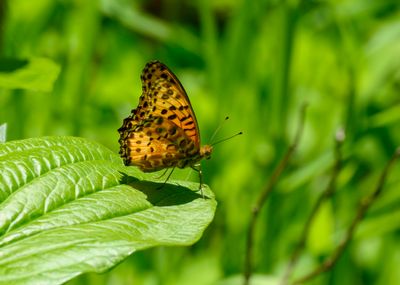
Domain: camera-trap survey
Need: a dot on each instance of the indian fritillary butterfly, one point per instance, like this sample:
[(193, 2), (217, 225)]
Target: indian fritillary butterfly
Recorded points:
[(162, 132)]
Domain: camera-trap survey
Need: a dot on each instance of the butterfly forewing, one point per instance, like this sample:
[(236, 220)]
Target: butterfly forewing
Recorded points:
[(162, 131), (167, 98)]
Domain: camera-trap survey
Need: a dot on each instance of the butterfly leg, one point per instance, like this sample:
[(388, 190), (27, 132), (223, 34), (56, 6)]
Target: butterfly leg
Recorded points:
[(166, 170), (197, 168), (166, 180)]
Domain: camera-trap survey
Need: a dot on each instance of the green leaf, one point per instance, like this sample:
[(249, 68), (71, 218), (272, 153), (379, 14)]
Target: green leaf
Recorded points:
[(69, 206), (319, 240), (37, 74)]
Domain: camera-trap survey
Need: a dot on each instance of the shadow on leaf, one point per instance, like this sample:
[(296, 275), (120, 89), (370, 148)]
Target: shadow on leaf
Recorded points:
[(162, 194)]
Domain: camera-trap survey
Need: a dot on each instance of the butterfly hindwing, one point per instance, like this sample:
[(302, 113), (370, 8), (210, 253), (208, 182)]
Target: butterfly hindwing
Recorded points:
[(157, 143)]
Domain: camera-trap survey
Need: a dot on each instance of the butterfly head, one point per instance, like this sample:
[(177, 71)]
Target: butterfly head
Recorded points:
[(205, 151)]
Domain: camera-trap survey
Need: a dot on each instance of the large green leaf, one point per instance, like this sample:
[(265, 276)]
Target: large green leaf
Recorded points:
[(68, 206)]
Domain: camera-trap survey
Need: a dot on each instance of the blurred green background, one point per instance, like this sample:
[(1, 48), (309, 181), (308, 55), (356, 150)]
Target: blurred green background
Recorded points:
[(257, 62)]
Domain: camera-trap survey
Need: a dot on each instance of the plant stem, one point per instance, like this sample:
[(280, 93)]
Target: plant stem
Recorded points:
[(361, 211), (328, 192), (265, 194)]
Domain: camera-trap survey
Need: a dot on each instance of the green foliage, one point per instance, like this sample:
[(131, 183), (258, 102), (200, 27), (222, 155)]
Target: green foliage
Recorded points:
[(257, 62), (68, 206), (256, 280), (37, 74)]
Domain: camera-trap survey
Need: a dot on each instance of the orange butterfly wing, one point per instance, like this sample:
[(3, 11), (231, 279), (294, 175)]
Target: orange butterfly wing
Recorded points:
[(166, 97), (162, 131), (156, 144)]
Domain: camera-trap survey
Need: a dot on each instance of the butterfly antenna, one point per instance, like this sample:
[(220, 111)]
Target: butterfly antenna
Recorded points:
[(217, 130), (228, 138)]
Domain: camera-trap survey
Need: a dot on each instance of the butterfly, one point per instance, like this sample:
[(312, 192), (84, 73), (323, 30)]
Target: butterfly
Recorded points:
[(162, 132)]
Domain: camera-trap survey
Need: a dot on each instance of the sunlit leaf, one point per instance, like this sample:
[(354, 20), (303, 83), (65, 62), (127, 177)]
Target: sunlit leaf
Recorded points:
[(37, 74), (322, 228), (69, 206)]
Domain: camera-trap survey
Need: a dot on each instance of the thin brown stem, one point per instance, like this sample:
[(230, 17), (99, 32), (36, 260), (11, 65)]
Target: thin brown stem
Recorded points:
[(328, 192), (264, 195), (361, 211)]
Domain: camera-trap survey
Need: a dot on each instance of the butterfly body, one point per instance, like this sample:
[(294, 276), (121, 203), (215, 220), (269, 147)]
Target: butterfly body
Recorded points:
[(162, 132)]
